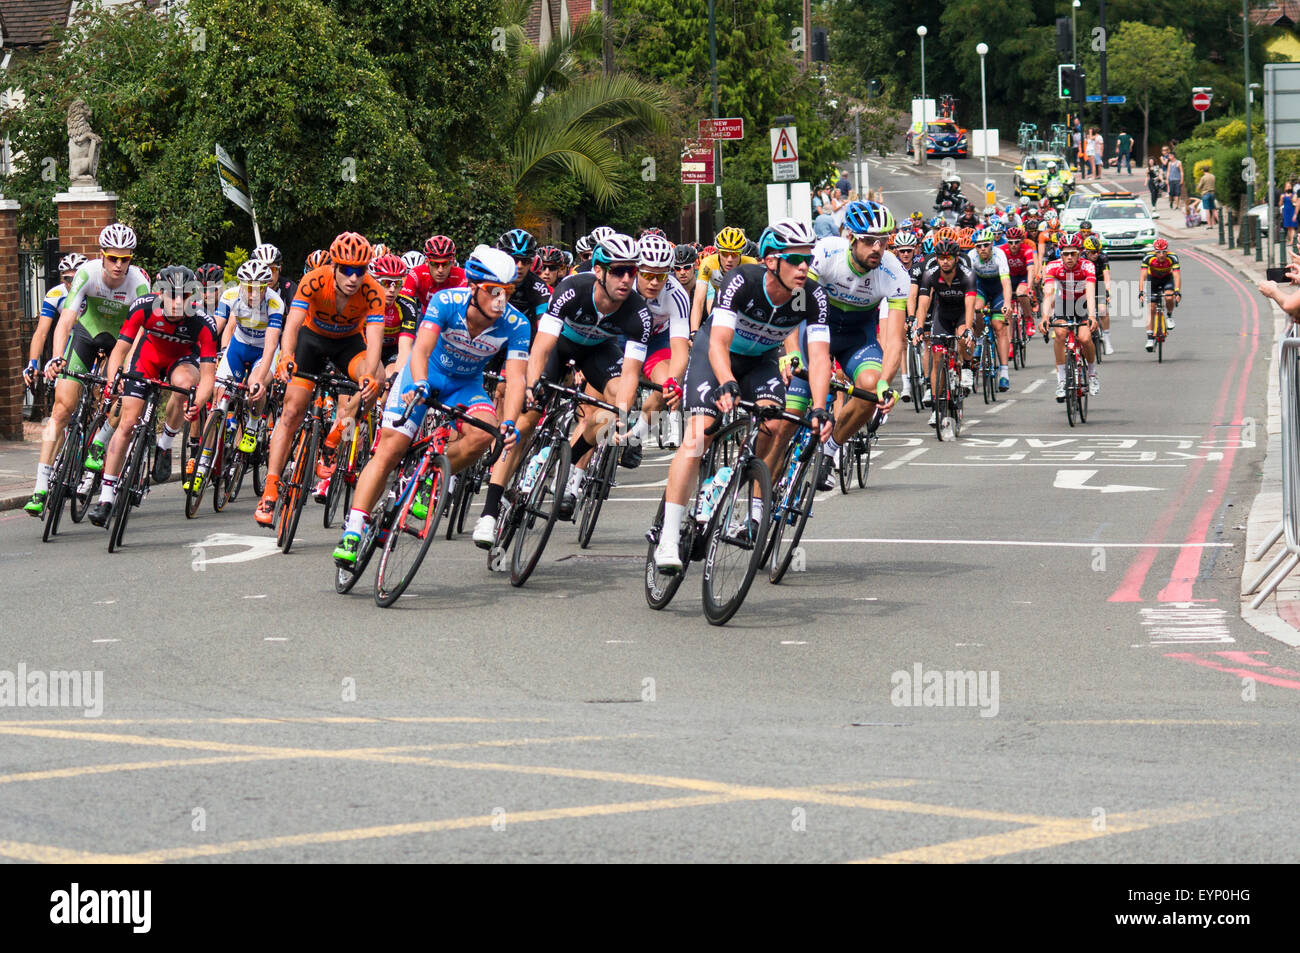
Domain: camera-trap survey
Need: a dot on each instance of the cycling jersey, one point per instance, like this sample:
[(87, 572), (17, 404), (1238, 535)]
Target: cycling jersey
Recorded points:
[(531, 297), (670, 311), (166, 343), (1020, 258), (317, 298), (103, 309), (399, 321), (1160, 264), (251, 323), (854, 293), (284, 288), (419, 285), (1047, 244), (1072, 286), (457, 353), (711, 269), (995, 268), (1100, 264), (743, 306), (948, 298), (52, 303), (573, 315)]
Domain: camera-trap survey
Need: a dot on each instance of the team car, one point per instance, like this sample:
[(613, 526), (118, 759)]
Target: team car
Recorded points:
[(1031, 172), (943, 137), (1123, 222)]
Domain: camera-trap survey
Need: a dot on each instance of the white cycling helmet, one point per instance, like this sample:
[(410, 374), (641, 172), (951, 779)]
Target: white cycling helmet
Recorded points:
[(379, 250), (583, 245), (117, 235), (490, 264), (599, 234), (414, 259), (615, 248), (655, 252), (71, 262), (786, 233), (268, 253), (254, 271)]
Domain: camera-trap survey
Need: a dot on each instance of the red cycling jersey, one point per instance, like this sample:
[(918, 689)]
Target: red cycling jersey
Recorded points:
[(1020, 256), (1072, 283), (165, 341), (419, 285)]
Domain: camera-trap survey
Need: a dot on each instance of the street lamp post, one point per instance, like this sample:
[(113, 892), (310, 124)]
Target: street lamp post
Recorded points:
[(982, 49), (921, 31), (1074, 39)]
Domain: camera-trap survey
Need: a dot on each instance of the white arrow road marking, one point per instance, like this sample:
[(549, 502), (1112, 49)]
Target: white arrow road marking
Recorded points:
[(255, 547), (1077, 480)]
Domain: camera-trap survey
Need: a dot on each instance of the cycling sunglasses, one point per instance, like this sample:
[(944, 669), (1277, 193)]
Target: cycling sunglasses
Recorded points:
[(795, 258), (623, 271), (872, 239), (495, 289), (118, 259), (390, 284), (352, 271)]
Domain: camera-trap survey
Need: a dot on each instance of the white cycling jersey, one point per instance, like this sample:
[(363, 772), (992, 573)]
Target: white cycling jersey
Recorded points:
[(251, 323), (848, 286), (995, 267), (671, 310)]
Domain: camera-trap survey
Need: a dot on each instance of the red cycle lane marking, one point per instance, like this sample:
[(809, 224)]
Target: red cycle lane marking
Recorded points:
[(1130, 587), (1188, 565), (1252, 673)]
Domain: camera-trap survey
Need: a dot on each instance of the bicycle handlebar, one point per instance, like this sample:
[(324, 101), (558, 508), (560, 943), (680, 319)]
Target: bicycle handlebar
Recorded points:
[(161, 385), (458, 412)]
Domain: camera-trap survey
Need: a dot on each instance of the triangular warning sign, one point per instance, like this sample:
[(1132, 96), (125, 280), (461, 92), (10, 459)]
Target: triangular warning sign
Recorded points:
[(784, 151)]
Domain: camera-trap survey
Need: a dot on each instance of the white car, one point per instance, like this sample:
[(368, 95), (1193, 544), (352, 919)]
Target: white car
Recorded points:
[(1076, 210), (1123, 222)]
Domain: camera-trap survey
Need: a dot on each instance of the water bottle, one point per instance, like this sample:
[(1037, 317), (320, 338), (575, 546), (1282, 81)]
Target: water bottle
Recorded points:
[(711, 492), (534, 468), (979, 346)]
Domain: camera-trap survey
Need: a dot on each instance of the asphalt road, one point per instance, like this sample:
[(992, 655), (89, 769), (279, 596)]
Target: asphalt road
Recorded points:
[(1086, 578)]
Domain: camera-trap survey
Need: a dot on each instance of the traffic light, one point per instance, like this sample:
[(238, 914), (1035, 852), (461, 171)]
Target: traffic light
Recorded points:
[(819, 53), (1079, 86), (1071, 83), (1064, 37)]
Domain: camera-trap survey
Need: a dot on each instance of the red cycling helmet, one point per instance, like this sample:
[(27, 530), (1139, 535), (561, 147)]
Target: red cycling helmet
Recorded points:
[(440, 248), (388, 266), (1015, 234), (1160, 244), (1070, 242)]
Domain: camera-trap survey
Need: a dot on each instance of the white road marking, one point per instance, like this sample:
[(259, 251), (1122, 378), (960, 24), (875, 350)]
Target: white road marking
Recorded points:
[(643, 486), (1000, 407), (910, 455), (271, 638), (261, 595), (1034, 385), (1017, 542), (1078, 480), (794, 643), (254, 547), (620, 642), (1185, 623), (94, 641), (105, 602)]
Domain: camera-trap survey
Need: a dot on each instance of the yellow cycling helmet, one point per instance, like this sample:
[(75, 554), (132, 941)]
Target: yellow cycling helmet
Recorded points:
[(731, 239), (1092, 242)]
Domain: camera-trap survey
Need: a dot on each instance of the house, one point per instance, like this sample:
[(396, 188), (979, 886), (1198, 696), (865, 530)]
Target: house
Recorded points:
[(548, 17), (1283, 17)]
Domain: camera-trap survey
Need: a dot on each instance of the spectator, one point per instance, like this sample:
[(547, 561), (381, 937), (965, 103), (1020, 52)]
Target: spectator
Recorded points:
[(1206, 187), (1123, 152), (1094, 152), (845, 184), (1155, 182), (1174, 179), (1192, 217), (1287, 206)]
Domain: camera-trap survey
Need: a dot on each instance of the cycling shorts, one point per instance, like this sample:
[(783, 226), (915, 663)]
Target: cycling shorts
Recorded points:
[(347, 353), (759, 378), (856, 350), (82, 349), (990, 289), (148, 362), (657, 351), (239, 359), (450, 390), (599, 363)]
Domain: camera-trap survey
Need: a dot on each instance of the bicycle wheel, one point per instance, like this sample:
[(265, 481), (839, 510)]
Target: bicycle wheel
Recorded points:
[(209, 450), (1071, 390), (132, 475), (661, 587), (956, 400), (792, 514), (64, 466), (595, 498), (940, 402), (222, 480), (409, 538), (735, 542), (338, 482), (371, 536), (303, 456), (79, 505), (540, 508), (1083, 392), (863, 457), (986, 373), (915, 376), (847, 465), (237, 468)]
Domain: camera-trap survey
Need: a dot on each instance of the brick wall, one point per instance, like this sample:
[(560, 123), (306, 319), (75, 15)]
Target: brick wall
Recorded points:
[(80, 224), (12, 348)]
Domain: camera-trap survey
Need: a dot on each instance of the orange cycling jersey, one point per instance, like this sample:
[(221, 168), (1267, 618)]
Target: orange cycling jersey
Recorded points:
[(318, 298)]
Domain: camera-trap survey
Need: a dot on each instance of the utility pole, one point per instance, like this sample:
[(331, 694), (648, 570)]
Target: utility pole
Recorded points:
[(1105, 104), (807, 33), (607, 40), (717, 147), (1248, 198)]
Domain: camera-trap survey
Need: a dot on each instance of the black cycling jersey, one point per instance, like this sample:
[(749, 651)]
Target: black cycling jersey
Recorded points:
[(917, 269), (285, 289), (1100, 263), (948, 298), (573, 315), (744, 306), (531, 297)]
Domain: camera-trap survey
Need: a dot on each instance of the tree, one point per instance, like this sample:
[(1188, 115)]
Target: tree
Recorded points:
[(1148, 62)]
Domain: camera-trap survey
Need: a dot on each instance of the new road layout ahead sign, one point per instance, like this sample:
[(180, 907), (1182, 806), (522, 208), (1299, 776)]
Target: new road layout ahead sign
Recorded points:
[(722, 128), (785, 154)]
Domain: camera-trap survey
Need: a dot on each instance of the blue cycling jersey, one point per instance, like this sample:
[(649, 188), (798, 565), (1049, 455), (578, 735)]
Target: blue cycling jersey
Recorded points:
[(457, 353)]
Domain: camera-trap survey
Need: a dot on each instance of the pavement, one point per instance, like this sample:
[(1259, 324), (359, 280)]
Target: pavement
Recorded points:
[(18, 460)]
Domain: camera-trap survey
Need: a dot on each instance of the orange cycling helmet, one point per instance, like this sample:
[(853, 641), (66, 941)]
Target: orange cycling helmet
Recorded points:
[(351, 249), (966, 239), (317, 258), (945, 234)]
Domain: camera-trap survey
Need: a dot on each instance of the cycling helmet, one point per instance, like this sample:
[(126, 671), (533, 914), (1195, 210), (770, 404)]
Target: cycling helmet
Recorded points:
[(599, 234), (117, 235), (998, 230), (387, 266), (568, 258), (490, 264), (349, 248), (947, 247), (1160, 244), (654, 252), (731, 240), (254, 272), (615, 248), (1092, 242), (927, 246), (1085, 227), (684, 255), (787, 233), (653, 231), (1015, 234), (440, 248), (917, 216), (414, 259), (267, 253), (862, 218), (984, 235), (378, 250), (583, 245), (71, 262), (708, 250), (208, 273), (1070, 242), (905, 239), (316, 259), (173, 280), (551, 256), (1024, 201), (1051, 216), (518, 243), (751, 248), (964, 239), (936, 222)]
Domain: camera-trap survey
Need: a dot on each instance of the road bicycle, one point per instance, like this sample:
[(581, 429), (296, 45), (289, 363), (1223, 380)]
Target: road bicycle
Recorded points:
[(986, 359), (66, 480), (949, 396), (598, 479), (1076, 373), (915, 367)]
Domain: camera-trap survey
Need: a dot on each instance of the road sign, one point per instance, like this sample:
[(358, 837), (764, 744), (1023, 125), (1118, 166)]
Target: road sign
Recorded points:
[(1201, 101), (722, 128), (697, 164), (1113, 100), (785, 154)]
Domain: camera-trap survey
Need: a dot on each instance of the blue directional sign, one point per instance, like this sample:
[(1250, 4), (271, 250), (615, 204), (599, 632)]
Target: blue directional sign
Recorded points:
[(1113, 100)]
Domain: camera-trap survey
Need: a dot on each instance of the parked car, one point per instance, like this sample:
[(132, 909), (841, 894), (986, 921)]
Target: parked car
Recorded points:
[(1261, 212)]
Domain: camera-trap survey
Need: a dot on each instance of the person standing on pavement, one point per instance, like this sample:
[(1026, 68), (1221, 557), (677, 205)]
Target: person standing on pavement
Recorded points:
[(1206, 187), (845, 184), (1123, 152), (1155, 182), (824, 223), (1287, 205), (1174, 178)]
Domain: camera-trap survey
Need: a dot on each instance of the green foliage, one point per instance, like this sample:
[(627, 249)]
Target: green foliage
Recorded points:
[(1232, 133), (234, 258)]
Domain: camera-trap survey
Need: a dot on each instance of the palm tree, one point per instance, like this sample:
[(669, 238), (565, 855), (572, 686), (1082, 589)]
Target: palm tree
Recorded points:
[(564, 122)]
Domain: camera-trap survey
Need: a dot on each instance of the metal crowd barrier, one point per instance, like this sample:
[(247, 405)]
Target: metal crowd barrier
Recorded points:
[(1288, 530)]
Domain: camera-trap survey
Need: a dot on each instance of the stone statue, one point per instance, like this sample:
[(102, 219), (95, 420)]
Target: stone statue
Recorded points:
[(83, 146)]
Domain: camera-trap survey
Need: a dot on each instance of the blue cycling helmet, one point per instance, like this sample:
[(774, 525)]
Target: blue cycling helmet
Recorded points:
[(927, 246), (863, 218), (490, 264), (518, 243), (937, 222)]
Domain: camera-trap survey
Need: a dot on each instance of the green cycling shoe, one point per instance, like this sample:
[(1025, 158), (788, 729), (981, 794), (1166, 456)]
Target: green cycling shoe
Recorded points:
[(345, 553)]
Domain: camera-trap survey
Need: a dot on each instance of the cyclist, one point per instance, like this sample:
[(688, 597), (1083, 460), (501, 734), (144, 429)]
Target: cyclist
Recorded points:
[(93, 311), (583, 247), (462, 329), (170, 334), (714, 267), (320, 256), (280, 283), (685, 268), (50, 308), (588, 314), (1092, 251), (993, 295), (1160, 269), (337, 315), (1022, 269), (532, 294), (550, 265), (1076, 284), (670, 340), (857, 275), (212, 277), (414, 259), (735, 355), (949, 282), (439, 271)]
